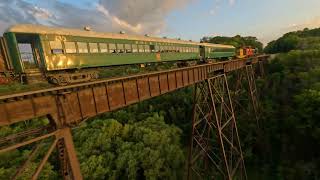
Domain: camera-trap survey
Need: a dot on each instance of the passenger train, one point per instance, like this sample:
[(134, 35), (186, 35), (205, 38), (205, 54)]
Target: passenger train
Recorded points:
[(65, 56)]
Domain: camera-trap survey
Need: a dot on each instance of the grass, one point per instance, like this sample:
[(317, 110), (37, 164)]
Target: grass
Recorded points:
[(108, 72), (16, 87)]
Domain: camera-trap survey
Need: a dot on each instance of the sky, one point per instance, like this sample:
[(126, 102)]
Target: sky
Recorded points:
[(186, 19)]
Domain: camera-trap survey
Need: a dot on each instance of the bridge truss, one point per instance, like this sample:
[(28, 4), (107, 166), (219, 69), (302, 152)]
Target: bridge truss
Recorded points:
[(215, 145)]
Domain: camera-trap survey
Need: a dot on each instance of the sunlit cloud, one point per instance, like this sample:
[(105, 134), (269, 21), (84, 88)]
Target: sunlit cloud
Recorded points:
[(273, 34), (142, 17), (122, 23), (311, 23), (217, 4), (232, 2)]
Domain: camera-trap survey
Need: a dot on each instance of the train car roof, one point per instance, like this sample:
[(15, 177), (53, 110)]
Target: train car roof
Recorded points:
[(40, 29), (217, 45)]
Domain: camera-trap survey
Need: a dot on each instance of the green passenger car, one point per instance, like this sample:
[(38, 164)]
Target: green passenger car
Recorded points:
[(218, 51), (56, 53), (60, 49)]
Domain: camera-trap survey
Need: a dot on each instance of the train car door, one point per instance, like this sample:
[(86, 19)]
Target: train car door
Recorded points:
[(2, 61), (202, 53), (29, 50)]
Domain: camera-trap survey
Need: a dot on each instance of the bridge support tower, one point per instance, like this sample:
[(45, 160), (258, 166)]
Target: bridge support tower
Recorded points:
[(245, 93), (215, 150)]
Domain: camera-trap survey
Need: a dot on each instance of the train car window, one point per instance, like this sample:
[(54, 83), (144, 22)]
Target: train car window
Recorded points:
[(157, 48), (82, 47), (103, 47), (112, 48), (164, 48), (152, 48), (120, 48), (27, 56), (147, 48), (70, 47), (167, 48), (128, 48), (93, 47), (56, 47), (134, 48), (141, 48), (161, 48)]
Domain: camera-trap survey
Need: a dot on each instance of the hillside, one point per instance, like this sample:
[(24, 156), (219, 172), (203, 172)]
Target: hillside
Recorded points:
[(298, 40), (236, 41)]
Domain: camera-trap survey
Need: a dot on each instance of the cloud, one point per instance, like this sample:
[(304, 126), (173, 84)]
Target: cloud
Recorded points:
[(310, 23), (41, 13), (134, 16), (19, 11), (217, 4), (119, 22), (141, 16), (232, 2), (277, 32)]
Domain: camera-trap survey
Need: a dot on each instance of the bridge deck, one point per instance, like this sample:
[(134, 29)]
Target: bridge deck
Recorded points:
[(70, 105)]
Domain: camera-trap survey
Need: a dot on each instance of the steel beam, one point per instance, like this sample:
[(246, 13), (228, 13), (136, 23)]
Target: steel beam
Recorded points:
[(68, 106), (215, 150), (245, 92), (62, 140)]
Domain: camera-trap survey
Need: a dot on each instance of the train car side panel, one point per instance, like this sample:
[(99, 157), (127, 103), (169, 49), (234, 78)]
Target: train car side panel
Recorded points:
[(13, 52), (76, 52), (3, 64)]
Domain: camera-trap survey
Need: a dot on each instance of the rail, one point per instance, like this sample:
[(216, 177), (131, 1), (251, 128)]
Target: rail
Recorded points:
[(70, 105)]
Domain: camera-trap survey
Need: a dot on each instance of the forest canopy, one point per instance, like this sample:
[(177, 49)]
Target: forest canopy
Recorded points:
[(299, 40), (150, 140), (236, 41)]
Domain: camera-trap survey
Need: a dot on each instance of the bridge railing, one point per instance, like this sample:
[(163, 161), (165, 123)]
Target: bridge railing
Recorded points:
[(72, 104), (66, 107)]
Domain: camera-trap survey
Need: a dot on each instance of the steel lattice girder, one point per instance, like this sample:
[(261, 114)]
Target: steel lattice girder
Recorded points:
[(215, 149)]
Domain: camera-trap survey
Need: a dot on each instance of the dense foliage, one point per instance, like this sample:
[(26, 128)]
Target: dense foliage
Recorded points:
[(299, 40), (149, 140), (146, 149), (236, 41), (291, 113)]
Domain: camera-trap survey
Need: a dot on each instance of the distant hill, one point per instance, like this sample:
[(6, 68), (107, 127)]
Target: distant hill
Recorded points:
[(307, 39), (237, 41)]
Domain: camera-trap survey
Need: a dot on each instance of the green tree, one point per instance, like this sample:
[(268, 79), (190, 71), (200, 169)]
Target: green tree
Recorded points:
[(147, 149), (237, 41)]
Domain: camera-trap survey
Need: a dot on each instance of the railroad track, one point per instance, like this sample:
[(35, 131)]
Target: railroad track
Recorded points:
[(72, 104), (65, 107), (74, 87)]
